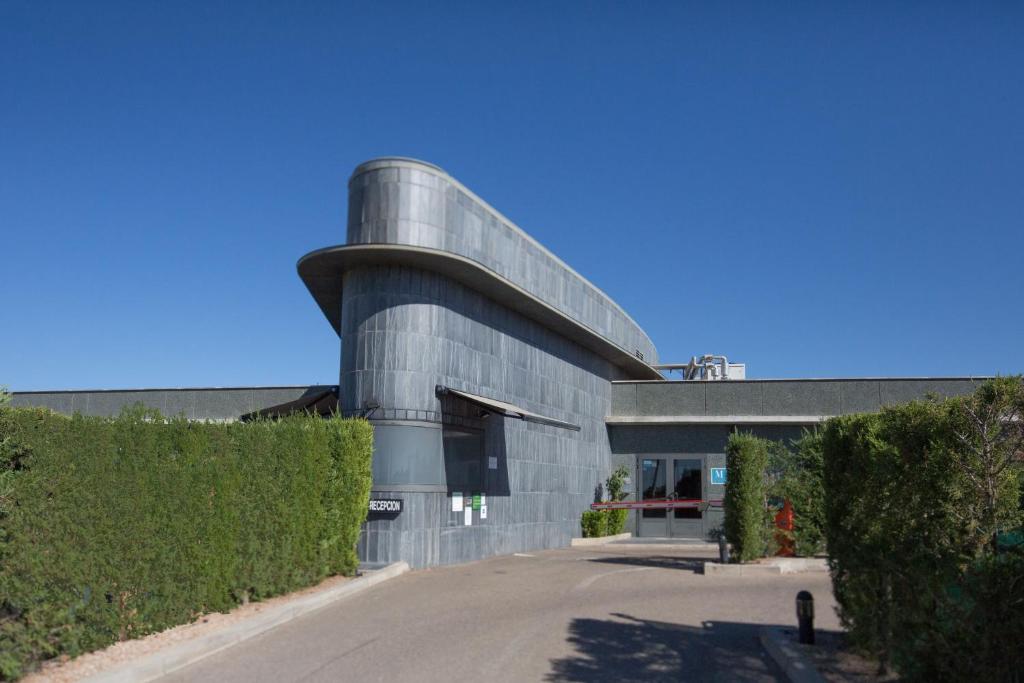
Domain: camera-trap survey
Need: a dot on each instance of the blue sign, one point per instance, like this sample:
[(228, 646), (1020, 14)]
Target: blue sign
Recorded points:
[(718, 476)]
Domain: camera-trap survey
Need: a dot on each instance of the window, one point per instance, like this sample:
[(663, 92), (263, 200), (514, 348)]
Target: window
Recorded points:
[(653, 486), (688, 486), (464, 462)]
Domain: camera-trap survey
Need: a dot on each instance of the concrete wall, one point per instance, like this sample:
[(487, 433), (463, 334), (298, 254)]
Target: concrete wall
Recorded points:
[(776, 397), (194, 404)]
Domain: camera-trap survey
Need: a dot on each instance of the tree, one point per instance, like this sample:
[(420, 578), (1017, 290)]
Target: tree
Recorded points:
[(987, 427), (616, 483)]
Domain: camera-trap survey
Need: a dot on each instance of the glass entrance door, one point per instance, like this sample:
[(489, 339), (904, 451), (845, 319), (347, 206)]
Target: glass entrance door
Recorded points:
[(653, 478), (687, 475), (667, 477)]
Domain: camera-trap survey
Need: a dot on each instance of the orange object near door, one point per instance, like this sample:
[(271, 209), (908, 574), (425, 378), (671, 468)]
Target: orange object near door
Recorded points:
[(784, 524)]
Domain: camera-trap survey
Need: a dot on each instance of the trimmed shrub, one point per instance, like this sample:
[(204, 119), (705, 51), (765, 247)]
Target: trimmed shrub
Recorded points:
[(115, 528), (617, 521), (747, 520), (855, 455), (594, 523)]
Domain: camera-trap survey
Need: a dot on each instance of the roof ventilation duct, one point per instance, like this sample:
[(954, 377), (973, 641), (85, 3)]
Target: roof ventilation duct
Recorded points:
[(708, 368)]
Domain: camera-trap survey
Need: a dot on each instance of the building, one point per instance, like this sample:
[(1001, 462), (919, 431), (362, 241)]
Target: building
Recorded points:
[(503, 386)]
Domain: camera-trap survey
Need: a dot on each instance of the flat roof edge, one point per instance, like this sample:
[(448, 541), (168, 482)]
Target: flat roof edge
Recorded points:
[(152, 389), (624, 420), (962, 378)]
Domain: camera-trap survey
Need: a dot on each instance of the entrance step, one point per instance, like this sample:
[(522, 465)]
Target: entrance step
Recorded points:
[(599, 540)]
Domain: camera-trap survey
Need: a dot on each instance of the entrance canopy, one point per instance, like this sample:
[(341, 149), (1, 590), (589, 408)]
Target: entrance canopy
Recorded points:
[(502, 408)]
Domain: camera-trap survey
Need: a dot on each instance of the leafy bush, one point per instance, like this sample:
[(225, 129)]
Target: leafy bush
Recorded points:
[(594, 523), (617, 521), (747, 520), (798, 479), (615, 485), (915, 499), (597, 523), (114, 528)]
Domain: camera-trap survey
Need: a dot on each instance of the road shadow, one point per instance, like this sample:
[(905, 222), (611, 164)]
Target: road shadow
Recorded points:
[(691, 564), (625, 648)]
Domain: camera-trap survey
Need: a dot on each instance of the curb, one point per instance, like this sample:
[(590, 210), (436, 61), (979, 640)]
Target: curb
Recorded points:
[(798, 669), (173, 658), (600, 540), (719, 569), (685, 544), (774, 567)]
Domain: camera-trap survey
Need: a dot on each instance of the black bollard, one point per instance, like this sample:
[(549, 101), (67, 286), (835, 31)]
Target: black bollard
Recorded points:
[(805, 616), (723, 549)]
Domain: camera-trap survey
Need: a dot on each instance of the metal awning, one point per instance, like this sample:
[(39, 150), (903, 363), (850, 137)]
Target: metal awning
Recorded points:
[(502, 408)]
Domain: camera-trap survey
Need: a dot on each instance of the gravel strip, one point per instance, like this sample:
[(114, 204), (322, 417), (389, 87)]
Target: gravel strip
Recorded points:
[(64, 670)]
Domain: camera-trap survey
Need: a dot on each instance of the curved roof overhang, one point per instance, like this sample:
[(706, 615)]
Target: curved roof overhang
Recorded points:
[(322, 272)]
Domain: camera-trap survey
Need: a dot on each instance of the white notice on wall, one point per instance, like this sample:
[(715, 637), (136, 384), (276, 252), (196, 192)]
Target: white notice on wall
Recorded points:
[(483, 511), (469, 516), (457, 502), (492, 462)]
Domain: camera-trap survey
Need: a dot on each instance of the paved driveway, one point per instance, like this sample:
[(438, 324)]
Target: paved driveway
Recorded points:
[(612, 613)]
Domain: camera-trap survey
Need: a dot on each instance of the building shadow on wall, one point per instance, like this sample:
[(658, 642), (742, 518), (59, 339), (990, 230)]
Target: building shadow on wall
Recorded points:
[(497, 448), (491, 448), (630, 649)]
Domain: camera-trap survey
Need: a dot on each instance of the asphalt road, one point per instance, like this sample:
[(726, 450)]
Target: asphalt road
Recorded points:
[(612, 613)]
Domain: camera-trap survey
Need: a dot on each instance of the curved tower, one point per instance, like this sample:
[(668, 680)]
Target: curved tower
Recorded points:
[(483, 361)]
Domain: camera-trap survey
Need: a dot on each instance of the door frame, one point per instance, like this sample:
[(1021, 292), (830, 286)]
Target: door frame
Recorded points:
[(667, 527)]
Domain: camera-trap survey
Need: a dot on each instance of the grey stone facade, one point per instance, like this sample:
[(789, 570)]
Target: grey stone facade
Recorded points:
[(402, 201), (408, 325), (405, 332)]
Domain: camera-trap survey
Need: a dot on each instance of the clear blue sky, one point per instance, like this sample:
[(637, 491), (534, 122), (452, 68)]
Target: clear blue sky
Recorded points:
[(816, 189)]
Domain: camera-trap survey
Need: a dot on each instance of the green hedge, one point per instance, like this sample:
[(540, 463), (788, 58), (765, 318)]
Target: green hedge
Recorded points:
[(114, 528), (617, 521), (977, 630), (915, 497), (597, 523), (594, 523), (747, 521)]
